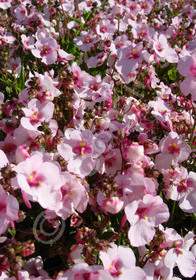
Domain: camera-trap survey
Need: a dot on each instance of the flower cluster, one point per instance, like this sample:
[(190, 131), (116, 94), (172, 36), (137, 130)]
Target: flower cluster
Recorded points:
[(97, 140)]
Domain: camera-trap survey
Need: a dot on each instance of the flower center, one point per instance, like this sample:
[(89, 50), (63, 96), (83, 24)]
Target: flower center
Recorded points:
[(34, 180), (173, 148), (45, 50), (82, 148), (193, 70)]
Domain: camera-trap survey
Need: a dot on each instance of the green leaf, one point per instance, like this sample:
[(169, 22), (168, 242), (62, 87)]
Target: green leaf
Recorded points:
[(21, 79), (172, 74), (12, 231)]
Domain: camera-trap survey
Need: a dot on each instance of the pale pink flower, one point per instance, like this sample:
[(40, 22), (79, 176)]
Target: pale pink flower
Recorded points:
[(161, 111), (34, 267), (120, 262), (129, 58), (46, 49), (5, 4), (111, 205), (9, 208), (144, 215), (3, 159), (187, 68), (97, 60), (21, 153), (133, 186), (188, 202), (35, 113), (39, 181), (21, 14), (80, 149), (158, 270), (146, 6), (181, 256), (175, 183), (84, 271), (95, 89), (105, 29), (86, 40), (111, 161), (88, 5), (74, 197), (133, 153), (79, 76), (132, 8), (173, 151), (141, 30), (63, 56), (48, 87), (27, 42), (163, 50)]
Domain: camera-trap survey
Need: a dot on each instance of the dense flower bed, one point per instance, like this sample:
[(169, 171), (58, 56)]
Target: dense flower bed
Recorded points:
[(97, 139)]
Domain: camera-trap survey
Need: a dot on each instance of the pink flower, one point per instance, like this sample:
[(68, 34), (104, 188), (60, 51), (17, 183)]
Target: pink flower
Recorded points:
[(27, 42), (83, 271), (46, 49), (175, 183), (9, 208), (163, 49), (111, 205), (181, 256), (47, 84), (187, 68), (79, 76), (161, 111), (173, 151), (3, 159), (146, 6), (5, 4), (39, 181), (105, 29), (36, 113), (21, 153), (111, 161), (120, 262), (80, 149), (133, 153), (86, 40), (129, 58), (158, 270), (74, 197), (143, 215), (133, 186), (188, 202), (34, 267)]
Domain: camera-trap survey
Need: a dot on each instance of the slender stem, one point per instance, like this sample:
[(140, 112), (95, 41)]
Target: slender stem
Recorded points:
[(193, 132)]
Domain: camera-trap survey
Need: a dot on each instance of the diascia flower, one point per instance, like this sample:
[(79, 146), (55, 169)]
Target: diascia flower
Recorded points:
[(129, 58), (80, 149), (120, 262), (39, 181), (180, 255), (74, 197), (46, 49), (8, 210), (143, 215), (83, 271), (187, 68), (173, 151), (5, 4)]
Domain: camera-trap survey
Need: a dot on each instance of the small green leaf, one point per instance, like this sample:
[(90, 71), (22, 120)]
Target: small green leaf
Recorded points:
[(12, 231)]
